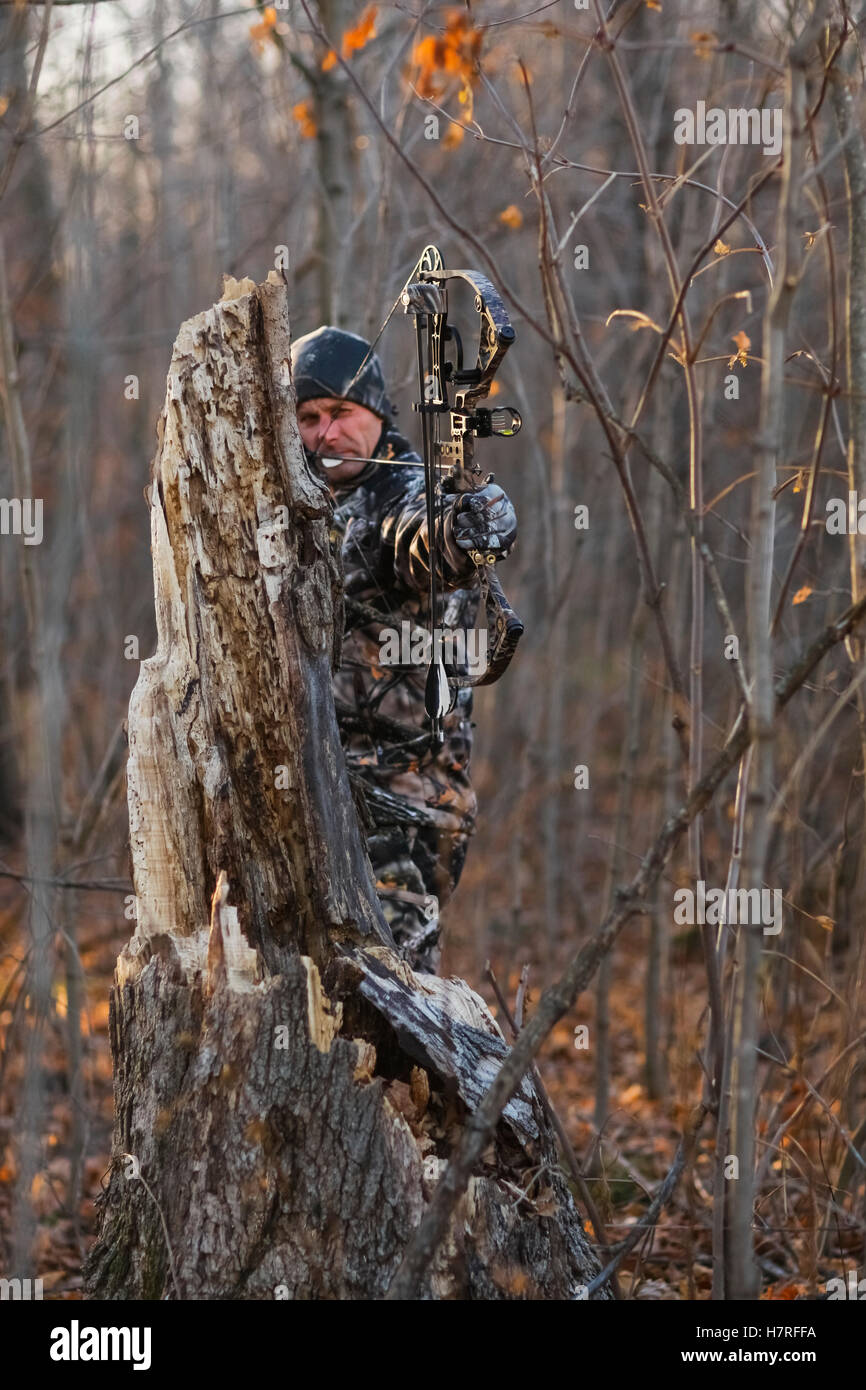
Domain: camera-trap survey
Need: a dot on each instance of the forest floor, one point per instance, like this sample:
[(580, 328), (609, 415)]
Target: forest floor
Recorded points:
[(640, 1138)]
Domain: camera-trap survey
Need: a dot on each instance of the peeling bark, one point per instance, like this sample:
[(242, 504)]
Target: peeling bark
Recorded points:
[(287, 1091)]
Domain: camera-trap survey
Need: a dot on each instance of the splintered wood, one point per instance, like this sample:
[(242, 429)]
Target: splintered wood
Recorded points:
[(235, 762)]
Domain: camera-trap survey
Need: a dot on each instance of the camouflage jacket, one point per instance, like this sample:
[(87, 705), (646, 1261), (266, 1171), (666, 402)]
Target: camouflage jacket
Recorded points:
[(380, 523)]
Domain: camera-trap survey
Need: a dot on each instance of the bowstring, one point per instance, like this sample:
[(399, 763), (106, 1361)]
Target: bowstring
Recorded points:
[(390, 315), (432, 469), (369, 353), (420, 328), (365, 564)]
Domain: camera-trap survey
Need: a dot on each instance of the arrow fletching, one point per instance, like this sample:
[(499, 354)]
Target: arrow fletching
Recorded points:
[(437, 694)]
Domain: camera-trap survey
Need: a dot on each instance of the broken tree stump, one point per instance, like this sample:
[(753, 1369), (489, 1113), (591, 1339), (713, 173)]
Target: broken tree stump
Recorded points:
[(287, 1091)]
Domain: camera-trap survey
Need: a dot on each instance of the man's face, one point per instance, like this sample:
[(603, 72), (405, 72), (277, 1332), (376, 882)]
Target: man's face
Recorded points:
[(336, 428)]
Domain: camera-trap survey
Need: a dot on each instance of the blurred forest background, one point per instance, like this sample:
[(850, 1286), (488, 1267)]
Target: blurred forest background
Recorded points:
[(146, 149)]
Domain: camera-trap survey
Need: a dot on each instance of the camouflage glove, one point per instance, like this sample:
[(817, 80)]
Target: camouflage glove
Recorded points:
[(485, 521)]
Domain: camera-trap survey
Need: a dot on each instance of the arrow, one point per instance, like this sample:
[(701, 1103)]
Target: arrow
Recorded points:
[(358, 458)]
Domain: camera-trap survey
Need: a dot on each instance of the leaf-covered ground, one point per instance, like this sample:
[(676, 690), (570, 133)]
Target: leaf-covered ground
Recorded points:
[(672, 1261)]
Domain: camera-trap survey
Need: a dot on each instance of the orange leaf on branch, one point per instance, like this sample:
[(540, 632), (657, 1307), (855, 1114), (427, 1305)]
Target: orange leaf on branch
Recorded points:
[(511, 216), (365, 30), (743, 343), (454, 53), (354, 39), (262, 30), (267, 22), (704, 43), (303, 114)]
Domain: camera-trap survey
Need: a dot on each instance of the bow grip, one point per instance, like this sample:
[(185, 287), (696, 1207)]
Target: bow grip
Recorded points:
[(504, 627)]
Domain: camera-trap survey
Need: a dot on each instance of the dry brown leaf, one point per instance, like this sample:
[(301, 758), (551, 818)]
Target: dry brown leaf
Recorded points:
[(264, 28), (743, 342), (365, 30), (643, 321), (454, 53), (545, 1203), (704, 42), (631, 1094), (511, 216), (302, 111), (354, 39)]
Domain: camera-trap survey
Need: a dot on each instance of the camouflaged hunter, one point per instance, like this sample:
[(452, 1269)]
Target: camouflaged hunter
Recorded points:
[(420, 805)]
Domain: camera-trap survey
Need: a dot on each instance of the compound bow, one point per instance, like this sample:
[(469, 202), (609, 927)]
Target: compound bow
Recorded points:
[(449, 454)]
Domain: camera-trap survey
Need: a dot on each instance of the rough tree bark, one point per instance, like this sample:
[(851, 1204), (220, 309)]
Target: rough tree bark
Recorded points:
[(287, 1092)]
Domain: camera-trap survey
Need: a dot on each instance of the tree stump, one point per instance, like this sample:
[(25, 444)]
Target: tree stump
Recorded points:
[(287, 1091)]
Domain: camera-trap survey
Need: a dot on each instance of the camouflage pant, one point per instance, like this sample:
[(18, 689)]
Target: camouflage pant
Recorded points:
[(420, 808), (416, 873), (417, 850)]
